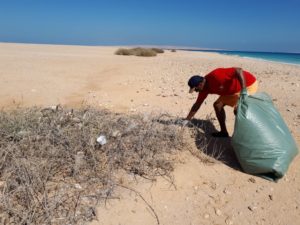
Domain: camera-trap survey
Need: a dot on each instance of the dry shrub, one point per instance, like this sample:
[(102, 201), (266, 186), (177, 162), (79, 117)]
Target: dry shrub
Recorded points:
[(123, 51), (146, 52), (158, 50), (53, 171)]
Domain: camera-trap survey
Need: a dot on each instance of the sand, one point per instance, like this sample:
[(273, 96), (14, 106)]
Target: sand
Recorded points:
[(46, 75)]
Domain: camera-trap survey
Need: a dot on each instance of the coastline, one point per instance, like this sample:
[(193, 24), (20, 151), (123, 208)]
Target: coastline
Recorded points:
[(249, 54)]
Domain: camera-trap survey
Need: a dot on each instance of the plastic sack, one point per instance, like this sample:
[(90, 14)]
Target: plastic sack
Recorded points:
[(261, 140)]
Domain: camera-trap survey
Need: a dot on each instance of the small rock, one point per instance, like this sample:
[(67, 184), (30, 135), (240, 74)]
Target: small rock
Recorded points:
[(206, 216), (271, 197), (218, 212), (226, 191), (252, 180), (252, 208), (228, 221), (78, 186), (116, 133)]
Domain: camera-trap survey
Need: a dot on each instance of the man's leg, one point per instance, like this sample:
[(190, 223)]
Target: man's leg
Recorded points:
[(221, 116)]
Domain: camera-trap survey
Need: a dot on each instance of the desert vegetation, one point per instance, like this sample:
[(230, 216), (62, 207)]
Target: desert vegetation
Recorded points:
[(147, 52), (53, 170)]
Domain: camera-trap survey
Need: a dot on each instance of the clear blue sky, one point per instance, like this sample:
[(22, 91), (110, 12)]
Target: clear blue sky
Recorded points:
[(258, 25)]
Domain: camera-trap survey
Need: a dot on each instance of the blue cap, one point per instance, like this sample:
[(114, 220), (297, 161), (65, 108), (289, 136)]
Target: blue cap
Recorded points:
[(194, 81)]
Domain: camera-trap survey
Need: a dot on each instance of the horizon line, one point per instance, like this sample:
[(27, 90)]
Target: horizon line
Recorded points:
[(177, 47)]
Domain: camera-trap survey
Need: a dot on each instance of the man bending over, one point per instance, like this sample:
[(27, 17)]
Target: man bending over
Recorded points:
[(226, 82)]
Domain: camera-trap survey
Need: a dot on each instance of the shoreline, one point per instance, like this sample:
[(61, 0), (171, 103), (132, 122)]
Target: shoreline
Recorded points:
[(235, 53)]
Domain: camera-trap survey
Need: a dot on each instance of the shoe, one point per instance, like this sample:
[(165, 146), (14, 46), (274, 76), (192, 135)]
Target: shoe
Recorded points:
[(220, 134)]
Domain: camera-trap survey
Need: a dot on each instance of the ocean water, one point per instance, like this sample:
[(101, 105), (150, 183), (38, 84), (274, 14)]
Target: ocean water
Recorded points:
[(290, 58)]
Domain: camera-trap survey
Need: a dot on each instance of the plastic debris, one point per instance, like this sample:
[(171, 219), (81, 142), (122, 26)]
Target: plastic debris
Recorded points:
[(102, 140)]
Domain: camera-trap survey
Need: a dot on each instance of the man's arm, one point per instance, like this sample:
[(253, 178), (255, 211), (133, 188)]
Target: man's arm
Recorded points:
[(240, 76), (193, 111)]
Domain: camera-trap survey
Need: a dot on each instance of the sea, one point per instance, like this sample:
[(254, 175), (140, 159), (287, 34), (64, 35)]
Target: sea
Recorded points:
[(282, 57)]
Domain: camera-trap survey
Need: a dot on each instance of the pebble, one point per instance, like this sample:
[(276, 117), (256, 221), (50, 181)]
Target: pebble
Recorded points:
[(116, 133), (226, 191), (252, 180), (271, 197), (228, 221), (252, 208), (78, 186), (206, 216), (218, 212)]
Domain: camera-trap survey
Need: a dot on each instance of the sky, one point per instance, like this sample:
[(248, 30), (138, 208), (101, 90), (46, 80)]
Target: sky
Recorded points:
[(247, 25)]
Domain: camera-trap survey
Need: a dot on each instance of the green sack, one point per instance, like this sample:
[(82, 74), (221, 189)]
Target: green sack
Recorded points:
[(261, 140)]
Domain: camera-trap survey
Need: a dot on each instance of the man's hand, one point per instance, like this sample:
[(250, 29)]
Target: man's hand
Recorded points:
[(240, 76)]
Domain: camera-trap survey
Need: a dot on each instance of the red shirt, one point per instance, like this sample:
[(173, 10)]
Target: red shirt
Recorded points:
[(224, 81)]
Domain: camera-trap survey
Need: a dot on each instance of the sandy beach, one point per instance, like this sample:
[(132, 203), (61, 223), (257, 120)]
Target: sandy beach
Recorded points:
[(48, 75)]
